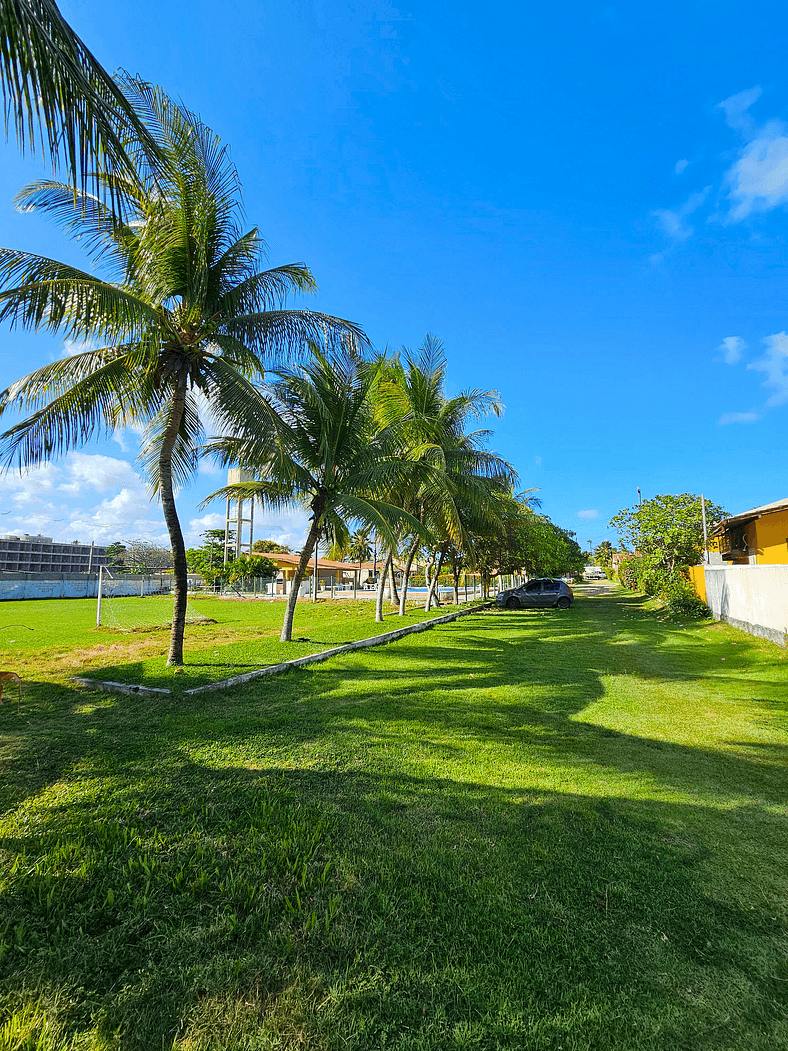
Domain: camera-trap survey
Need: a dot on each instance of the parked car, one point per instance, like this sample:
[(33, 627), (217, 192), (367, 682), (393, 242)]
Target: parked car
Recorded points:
[(541, 593), (594, 573)]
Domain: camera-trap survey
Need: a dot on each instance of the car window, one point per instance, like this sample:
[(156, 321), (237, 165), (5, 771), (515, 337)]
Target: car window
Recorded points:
[(533, 585), (552, 585)]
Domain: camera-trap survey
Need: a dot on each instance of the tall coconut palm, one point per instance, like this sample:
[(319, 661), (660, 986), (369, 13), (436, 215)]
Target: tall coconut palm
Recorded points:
[(319, 445), (184, 317), (58, 97), (459, 476)]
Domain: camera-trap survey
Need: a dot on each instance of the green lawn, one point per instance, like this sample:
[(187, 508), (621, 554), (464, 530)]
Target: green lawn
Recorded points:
[(47, 637), (520, 831)]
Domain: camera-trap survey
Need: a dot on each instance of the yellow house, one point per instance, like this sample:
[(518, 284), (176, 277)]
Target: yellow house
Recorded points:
[(757, 537)]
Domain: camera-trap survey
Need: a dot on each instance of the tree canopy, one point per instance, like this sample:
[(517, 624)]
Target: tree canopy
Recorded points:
[(667, 530)]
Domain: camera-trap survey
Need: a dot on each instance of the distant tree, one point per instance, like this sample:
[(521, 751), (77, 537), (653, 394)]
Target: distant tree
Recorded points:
[(317, 445), (668, 530), (529, 543), (603, 555), (116, 553), (272, 547), (208, 559), (144, 557), (359, 548), (246, 567)]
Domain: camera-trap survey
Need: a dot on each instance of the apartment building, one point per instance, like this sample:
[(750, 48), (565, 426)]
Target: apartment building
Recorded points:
[(23, 553)]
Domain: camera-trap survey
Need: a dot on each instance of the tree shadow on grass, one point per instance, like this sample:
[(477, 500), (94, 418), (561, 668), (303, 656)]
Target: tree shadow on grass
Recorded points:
[(368, 910)]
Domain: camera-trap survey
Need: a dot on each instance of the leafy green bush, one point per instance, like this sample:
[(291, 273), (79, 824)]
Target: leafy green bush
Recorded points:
[(654, 580), (681, 599), (628, 573)]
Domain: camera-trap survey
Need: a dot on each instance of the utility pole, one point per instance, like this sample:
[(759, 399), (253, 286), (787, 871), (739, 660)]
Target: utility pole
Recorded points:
[(640, 497), (705, 534)]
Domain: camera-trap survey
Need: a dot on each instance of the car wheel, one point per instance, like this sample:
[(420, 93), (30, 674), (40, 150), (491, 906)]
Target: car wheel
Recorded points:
[(512, 603), (563, 603)]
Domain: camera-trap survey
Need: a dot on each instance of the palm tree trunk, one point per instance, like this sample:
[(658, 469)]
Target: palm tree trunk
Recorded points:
[(455, 572), (403, 595), (381, 587), (428, 568), (433, 585), (292, 598), (394, 592), (180, 570)]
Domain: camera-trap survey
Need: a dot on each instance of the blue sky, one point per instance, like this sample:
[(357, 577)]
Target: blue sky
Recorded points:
[(587, 203)]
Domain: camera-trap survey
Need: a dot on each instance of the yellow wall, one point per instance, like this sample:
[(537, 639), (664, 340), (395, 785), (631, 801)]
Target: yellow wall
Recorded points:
[(698, 578), (769, 537)]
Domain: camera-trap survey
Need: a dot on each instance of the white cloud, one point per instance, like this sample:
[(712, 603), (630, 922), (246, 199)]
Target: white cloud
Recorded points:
[(30, 486), (758, 179), (732, 348), (735, 109), (681, 166), (126, 515), (87, 471), (197, 526), (285, 527), (588, 516), (210, 468), (739, 417), (775, 366), (126, 511), (671, 220), (537, 460)]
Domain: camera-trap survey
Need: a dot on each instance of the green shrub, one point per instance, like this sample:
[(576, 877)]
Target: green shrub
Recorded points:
[(628, 573), (681, 599)]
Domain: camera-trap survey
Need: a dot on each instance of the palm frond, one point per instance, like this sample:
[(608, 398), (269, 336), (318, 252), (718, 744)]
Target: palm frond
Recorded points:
[(37, 292), (58, 97), (264, 291), (108, 397), (279, 335), (85, 217), (57, 377)]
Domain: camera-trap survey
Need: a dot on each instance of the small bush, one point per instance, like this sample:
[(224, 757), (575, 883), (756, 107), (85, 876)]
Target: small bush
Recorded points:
[(681, 599), (628, 573)]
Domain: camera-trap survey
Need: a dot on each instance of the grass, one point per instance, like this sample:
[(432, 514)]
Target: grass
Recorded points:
[(47, 638), (519, 831)]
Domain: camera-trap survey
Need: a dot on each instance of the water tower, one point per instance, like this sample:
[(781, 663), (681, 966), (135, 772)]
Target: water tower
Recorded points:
[(236, 519)]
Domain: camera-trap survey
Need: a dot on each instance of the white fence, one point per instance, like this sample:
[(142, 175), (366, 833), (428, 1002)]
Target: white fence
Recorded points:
[(79, 585), (753, 598)]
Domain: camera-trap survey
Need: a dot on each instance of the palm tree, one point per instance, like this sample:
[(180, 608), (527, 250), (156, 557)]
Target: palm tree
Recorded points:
[(458, 476), (359, 548), (57, 94), (185, 318), (319, 445)]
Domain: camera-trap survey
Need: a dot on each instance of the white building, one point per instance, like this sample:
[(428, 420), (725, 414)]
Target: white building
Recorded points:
[(23, 553)]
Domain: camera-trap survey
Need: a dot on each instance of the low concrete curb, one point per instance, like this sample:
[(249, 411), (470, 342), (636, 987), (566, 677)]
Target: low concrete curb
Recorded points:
[(119, 687), (299, 662)]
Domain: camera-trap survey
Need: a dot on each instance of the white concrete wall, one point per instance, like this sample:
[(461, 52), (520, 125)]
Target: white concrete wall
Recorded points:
[(85, 585), (753, 598)]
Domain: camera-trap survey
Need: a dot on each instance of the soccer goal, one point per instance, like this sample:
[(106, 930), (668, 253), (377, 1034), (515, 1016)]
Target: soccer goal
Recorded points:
[(137, 604)]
